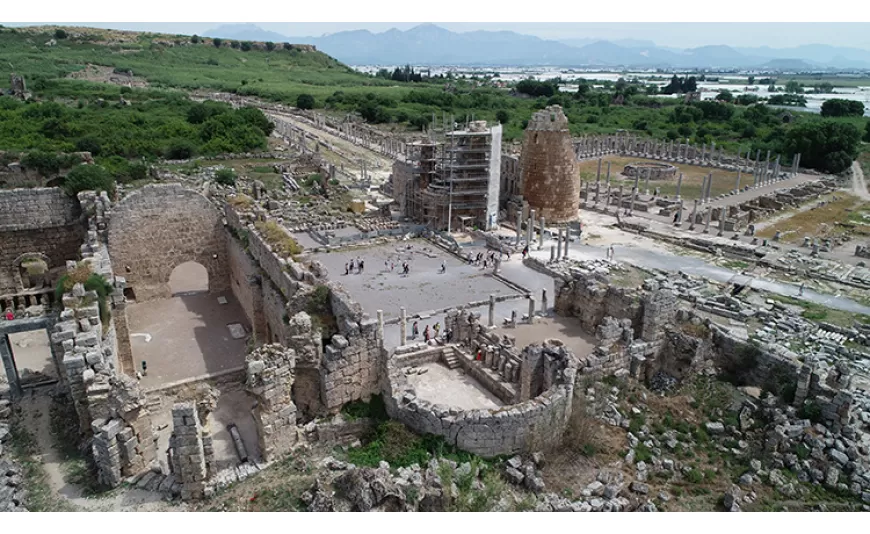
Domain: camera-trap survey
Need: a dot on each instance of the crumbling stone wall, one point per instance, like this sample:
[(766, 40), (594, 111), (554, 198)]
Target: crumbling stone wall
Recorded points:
[(591, 299), (549, 173), (43, 223), (525, 426), (188, 452), (270, 371), (161, 226)]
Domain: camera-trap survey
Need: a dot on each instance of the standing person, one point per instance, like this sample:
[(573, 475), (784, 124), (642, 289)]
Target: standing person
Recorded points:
[(443, 266), (801, 290), (426, 333), (610, 253), (392, 266), (386, 265), (525, 251), (415, 330), (484, 264), (347, 268), (360, 266), (437, 329)]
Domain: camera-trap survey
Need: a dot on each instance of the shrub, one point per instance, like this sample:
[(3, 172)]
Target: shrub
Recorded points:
[(46, 163), (373, 409), (60, 34), (305, 101), (180, 149), (270, 46), (225, 176), (217, 42), (246, 46), (92, 281), (502, 116), (88, 178), (195, 39), (695, 476)]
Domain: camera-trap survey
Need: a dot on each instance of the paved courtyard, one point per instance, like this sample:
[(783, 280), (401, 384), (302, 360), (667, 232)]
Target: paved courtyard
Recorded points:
[(185, 336), (423, 289), (441, 385)]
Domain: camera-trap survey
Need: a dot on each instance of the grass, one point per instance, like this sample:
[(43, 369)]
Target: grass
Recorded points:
[(24, 449), (693, 176), (392, 442), (820, 222), (77, 468), (373, 409), (818, 312), (278, 238)]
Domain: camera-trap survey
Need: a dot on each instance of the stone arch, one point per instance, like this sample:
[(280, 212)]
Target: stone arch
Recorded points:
[(188, 277), (22, 259), (161, 226)]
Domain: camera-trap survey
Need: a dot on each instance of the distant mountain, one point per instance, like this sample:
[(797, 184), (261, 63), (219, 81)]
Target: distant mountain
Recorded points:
[(428, 44), (246, 32)]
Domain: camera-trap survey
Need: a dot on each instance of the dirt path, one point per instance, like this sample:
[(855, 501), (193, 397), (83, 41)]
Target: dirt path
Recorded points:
[(859, 186), (38, 423)]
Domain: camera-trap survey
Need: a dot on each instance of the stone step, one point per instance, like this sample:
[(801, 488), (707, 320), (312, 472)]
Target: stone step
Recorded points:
[(452, 362)]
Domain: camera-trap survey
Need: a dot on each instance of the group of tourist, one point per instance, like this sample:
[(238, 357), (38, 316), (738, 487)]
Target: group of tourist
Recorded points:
[(356, 264), (429, 335)]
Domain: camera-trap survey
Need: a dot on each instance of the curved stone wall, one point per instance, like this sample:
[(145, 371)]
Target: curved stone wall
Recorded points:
[(655, 171), (549, 174), (509, 429)]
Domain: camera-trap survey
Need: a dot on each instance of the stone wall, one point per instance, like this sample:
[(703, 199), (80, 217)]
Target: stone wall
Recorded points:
[(40, 223), (525, 426), (157, 228), (270, 371), (187, 451), (591, 299)]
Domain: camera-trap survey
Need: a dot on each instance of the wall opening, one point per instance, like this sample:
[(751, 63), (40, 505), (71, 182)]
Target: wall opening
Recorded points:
[(31, 352), (188, 278)]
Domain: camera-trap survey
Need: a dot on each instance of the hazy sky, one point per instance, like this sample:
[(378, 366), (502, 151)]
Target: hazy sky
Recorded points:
[(672, 34)]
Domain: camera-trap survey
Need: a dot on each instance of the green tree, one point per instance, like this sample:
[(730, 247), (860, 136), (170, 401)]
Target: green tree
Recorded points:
[(246, 46), (225, 176), (840, 107), (60, 34), (217, 42), (305, 101), (288, 46), (725, 96), (234, 44), (751, 80), (824, 145), (88, 178), (867, 132), (502, 116), (270, 46), (794, 87), (195, 39), (180, 149)]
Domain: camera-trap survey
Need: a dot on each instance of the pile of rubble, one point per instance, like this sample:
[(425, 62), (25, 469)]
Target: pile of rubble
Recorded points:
[(12, 493)]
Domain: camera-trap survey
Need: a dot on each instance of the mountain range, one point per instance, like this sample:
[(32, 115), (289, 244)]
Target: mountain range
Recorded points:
[(428, 44)]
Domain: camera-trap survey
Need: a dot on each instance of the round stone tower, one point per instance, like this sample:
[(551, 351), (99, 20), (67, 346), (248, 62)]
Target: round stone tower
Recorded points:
[(549, 173)]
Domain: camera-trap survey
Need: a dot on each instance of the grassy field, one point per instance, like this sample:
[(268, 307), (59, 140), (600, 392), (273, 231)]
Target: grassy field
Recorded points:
[(693, 176), (822, 221)]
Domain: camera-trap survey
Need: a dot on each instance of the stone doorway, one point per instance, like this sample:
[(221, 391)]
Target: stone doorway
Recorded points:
[(27, 357), (189, 278)]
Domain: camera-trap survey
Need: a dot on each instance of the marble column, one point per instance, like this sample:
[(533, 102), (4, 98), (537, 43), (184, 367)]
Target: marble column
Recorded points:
[(621, 198), (598, 174), (608, 172), (587, 203), (679, 185), (544, 304), (703, 188), (403, 327), (492, 310), (531, 309), (559, 246), (567, 240), (552, 253), (679, 215), (380, 330), (737, 185), (707, 220), (633, 198), (541, 237), (531, 229), (694, 215), (646, 184), (519, 225), (709, 186), (721, 222), (607, 198)]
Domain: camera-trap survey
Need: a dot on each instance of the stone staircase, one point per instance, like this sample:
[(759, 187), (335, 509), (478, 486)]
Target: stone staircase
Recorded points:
[(451, 360)]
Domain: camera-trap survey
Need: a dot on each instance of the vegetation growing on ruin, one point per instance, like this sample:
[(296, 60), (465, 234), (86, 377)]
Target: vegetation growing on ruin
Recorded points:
[(78, 468), (24, 449), (91, 281), (392, 442), (278, 238), (373, 409)]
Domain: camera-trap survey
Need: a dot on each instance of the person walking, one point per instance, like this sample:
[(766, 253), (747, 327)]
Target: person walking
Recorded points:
[(443, 266), (415, 330), (426, 334), (347, 268), (437, 329)]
